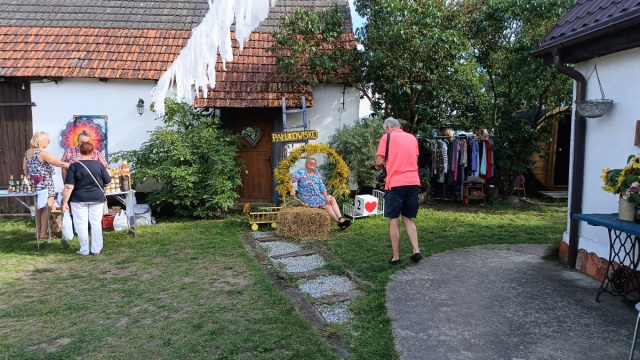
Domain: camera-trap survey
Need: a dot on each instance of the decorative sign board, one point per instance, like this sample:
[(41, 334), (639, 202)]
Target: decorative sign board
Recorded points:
[(293, 136), (366, 205)]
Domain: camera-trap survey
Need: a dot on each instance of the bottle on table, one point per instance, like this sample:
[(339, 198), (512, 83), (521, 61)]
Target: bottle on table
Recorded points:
[(124, 168), (124, 183), (21, 184), (12, 185)]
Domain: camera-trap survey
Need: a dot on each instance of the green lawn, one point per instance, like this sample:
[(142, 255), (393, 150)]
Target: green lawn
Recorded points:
[(190, 290)]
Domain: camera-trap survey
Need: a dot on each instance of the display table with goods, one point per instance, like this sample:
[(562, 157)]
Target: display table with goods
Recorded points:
[(621, 277), (38, 199), (120, 188), (126, 198)]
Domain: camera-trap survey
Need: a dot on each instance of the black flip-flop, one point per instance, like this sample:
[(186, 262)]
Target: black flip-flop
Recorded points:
[(345, 224)]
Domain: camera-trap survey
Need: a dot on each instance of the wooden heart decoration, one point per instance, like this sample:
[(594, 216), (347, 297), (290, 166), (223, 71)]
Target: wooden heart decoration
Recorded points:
[(252, 134), (370, 206)]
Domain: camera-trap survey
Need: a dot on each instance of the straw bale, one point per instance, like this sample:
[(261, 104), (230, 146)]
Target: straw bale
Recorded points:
[(303, 222)]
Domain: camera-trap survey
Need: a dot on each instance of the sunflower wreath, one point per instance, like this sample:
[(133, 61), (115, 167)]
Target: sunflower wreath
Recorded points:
[(337, 184)]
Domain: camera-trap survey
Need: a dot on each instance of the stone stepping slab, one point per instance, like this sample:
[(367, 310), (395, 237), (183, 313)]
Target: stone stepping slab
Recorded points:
[(268, 239), (294, 254), (326, 286), (337, 298), (301, 263), (311, 273)]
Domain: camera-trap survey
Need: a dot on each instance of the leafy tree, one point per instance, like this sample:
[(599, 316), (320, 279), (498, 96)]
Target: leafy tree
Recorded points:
[(417, 62), (461, 64), (503, 33), (413, 65), (362, 135), (194, 161), (311, 48)]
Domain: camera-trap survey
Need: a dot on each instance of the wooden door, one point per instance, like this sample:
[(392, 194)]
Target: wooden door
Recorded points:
[(562, 135), (257, 154), (16, 131)]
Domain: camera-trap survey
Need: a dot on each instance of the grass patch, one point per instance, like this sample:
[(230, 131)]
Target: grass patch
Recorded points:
[(190, 289)]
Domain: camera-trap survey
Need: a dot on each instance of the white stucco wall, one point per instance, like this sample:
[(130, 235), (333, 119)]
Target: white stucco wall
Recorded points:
[(609, 139), (56, 104), (327, 113)]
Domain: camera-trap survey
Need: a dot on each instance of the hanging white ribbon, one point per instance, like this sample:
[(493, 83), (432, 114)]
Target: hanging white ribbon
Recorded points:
[(195, 66)]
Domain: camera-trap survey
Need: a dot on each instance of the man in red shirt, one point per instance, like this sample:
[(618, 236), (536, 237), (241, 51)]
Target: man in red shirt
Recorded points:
[(72, 155), (402, 185)]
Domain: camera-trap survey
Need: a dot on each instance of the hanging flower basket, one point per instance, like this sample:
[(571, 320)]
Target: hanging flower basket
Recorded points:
[(594, 108)]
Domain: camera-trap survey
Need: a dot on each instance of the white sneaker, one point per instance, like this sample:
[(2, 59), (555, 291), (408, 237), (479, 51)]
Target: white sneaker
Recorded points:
[(81, 253)]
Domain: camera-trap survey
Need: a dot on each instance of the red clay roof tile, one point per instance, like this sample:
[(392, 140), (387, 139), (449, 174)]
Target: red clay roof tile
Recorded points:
[(81, 52), (251, 80)]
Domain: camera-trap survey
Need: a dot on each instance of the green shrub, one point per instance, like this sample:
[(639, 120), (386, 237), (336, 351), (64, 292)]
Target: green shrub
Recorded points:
[(194, 161), (357, 144)]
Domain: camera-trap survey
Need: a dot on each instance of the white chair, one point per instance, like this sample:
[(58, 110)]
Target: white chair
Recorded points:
[(635, 333)]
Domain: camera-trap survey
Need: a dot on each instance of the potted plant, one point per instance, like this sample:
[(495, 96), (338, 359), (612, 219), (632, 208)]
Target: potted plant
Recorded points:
[(625, 183)]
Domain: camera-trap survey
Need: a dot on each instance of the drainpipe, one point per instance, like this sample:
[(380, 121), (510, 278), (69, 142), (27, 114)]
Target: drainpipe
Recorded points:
[(577, 170)]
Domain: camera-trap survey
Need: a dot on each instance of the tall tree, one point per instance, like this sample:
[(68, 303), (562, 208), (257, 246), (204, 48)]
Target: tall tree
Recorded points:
[(412, 64), (417, 61), (519, 88)]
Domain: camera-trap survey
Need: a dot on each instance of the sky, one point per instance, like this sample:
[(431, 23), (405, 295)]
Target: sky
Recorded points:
[(355, 18)]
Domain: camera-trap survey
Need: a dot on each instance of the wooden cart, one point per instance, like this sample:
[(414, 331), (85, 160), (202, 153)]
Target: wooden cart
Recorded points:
[(264, 215)]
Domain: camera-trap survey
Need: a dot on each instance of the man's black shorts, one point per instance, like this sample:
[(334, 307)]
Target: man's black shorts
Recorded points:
[(401, 200)]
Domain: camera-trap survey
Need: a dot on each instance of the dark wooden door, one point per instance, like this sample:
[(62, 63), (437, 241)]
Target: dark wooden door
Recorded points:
[(561, 156), (15, 134), (257, 154)]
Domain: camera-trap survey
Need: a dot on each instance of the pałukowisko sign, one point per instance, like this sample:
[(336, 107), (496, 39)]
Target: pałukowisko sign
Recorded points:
[(292, 136)]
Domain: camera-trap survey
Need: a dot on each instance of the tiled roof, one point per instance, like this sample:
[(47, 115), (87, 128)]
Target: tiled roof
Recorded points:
[(88, 53), (139, 40), (136, 14), (252, 79), (589, 16)]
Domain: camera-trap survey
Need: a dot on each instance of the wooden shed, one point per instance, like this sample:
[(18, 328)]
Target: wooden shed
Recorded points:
[(551, 168)]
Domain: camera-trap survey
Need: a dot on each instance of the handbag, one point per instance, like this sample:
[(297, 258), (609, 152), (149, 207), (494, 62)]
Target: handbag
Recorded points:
[(105, 207), (381, 179)]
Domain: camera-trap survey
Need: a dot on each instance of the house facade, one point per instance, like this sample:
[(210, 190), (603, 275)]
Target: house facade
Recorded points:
[(61, 60), (602, 35)]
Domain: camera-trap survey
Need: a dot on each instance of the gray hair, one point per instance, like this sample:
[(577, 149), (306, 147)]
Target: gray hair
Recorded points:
[(83, 133), (391, 122), (309, 160)]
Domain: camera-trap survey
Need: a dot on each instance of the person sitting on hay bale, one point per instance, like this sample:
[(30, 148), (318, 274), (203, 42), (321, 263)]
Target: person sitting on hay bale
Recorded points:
[(311, 191)]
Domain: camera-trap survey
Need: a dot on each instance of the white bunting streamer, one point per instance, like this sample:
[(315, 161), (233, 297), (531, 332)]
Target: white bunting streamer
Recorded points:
[(195, 66)]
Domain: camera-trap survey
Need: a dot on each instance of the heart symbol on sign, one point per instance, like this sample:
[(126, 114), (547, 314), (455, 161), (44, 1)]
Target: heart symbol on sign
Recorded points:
[(370, 206)]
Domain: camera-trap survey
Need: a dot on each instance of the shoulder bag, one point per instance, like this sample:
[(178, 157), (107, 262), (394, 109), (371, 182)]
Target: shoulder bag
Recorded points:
[(381, 179), (105, 209)]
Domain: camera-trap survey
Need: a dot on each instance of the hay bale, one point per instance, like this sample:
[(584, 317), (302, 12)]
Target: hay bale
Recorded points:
[(303, 222)]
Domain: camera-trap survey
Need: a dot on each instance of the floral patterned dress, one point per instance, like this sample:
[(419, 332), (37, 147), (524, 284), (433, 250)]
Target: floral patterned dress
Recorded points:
[(310, 187), (37, 167)]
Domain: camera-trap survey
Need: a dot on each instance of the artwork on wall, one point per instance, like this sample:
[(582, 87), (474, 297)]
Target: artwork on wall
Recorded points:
[(94, 125)]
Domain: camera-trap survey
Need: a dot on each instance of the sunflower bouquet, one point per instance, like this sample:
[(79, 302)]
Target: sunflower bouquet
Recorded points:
[(624, 181)]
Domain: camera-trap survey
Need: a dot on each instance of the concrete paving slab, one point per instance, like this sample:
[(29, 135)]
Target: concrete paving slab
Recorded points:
[(504, 302)]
